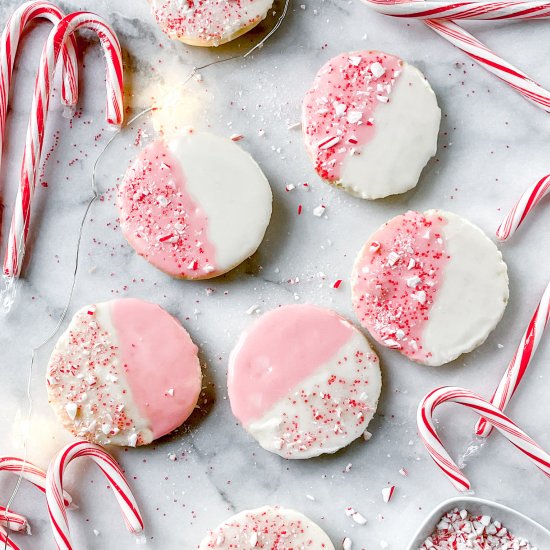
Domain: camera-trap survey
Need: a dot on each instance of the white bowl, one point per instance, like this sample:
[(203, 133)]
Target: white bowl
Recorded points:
[(517, 523)]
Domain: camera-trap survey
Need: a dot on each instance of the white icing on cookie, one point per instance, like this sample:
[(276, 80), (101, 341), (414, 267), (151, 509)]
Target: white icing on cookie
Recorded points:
[(303, 381), (269, 528), (208, 22), (232, 191), (124, 372), (430, 285), (196, 207), (370, 123), (473, 297)]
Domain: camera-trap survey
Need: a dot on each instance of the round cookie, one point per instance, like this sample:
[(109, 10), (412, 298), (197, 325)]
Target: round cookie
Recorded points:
[(303, 381), (269, 528), (195, 207), (370, 123), (125, 372), (208, 22), (432, 286)]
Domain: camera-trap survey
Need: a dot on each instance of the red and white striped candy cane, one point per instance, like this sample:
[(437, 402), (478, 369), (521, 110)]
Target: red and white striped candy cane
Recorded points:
[(19, 20), (112, 471), (438, 16), (28, 471), (521, 360), (527, 202), (58, 37), (462, 9), (498, 419)]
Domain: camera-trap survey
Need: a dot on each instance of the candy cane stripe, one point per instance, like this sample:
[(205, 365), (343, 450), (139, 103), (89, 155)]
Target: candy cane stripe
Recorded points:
[(60, 35), (115, 477)]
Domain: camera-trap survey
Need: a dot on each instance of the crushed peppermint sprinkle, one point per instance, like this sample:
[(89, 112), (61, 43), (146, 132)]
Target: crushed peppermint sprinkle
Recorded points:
[(461, 530), (84, 380), (356, 516), (319, 210), (340, 108), (214, 22), (268, 527), (396, 278), (387, 493), (336, 284)]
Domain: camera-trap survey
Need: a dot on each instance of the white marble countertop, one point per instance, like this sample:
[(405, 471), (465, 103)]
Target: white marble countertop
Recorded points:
[(492, 145)]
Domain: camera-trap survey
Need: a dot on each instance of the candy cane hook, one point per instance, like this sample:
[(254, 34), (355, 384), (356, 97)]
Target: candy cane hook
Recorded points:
[(499, 420), (57, 38), (111, 470), (9, 42)]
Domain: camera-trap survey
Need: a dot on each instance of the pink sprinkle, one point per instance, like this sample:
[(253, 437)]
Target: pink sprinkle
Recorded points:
[(165, 238), (337, 283), (299, 209)]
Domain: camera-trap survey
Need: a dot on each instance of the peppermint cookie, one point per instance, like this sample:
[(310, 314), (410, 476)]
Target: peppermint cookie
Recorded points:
[(430, 285), (124, 372), (303, 381), (195, 207), (208, 22), (370, 123), (270, 528)]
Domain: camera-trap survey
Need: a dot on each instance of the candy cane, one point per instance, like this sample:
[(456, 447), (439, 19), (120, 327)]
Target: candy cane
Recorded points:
[(437, 16), (57, 38), (30, 472), (521, 360), (462, 9), (499, 420), (54, 489), (527, 202), (21, 17)]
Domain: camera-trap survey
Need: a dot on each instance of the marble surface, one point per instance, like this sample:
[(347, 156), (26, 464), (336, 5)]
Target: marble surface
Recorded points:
[(492, 145)]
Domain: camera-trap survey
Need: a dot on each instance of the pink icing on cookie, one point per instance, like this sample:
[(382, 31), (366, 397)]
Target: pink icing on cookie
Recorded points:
[(159, 217), (396, 278), (161, 368), (282, 348), (339, 111), (124, 372)]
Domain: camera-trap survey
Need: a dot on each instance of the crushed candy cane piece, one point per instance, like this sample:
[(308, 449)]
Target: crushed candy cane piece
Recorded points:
[(460, 529), (387, 493)]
